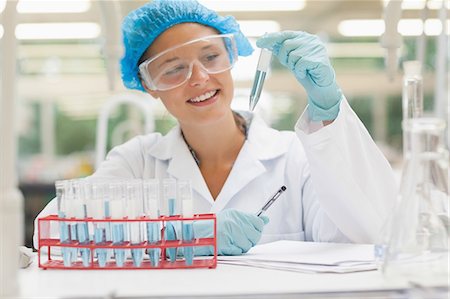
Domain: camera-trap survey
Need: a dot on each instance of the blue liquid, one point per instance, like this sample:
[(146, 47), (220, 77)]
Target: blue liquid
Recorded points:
[(73, 237), (188, 236), (258, 84), (118, 237), (64, 238), (153, 236), (170, 231), (83, 238), (99, 238)]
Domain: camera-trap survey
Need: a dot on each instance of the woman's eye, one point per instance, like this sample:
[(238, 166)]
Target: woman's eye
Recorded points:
[(174, 70), (212, 57)]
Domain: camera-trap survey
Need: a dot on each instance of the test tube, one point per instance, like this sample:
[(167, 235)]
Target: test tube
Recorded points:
[(185, 192), (135, 209), (96, 211), (261, 70), (80, 213), (64, 235), (151, 197), (116, 207), (105, 188), (170, 199), (71, 212)]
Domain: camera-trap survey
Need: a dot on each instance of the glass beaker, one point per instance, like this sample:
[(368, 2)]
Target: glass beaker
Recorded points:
[(418, 236)]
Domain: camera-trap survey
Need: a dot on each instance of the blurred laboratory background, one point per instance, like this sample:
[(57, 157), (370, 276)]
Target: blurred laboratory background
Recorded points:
[(71, 106)]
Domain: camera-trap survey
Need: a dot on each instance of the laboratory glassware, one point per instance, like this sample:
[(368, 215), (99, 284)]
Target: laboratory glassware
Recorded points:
[(185, 192), (79, 207), (117, 210), (64, 234), (96, 211), (265, 58), (135, 210), (418, 233), (170, 199), (152, 203), (71, 214), (412, 95)]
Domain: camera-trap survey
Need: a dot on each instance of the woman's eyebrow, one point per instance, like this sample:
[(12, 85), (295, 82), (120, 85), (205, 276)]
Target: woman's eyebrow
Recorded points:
[(167, 61)]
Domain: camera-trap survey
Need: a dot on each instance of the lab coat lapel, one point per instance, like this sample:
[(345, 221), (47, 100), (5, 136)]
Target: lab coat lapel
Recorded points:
[(246, 168), (181, 164), (263, 143)]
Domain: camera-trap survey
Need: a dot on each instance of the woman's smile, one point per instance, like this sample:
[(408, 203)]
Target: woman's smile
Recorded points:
[(205, 99)]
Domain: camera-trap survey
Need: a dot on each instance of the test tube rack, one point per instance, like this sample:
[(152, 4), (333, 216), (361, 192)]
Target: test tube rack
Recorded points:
[(48, 261)]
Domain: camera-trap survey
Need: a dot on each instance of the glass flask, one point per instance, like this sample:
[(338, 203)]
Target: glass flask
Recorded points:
[(412, 94), (417, 238)]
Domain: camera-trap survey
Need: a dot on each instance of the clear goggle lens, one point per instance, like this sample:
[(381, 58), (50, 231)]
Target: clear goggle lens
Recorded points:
[(173, 67)]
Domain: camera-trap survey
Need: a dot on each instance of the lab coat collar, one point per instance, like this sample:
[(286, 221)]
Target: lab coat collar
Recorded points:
[(263, 143), (182, 165)]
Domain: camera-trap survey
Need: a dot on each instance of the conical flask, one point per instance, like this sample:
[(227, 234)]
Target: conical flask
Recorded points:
[(417, 238)]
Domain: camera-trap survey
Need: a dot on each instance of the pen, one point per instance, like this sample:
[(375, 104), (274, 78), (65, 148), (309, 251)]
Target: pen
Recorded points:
[(271, 200)]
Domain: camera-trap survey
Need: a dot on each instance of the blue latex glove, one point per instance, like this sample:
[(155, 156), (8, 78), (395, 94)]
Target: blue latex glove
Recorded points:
[(237, 232), (305, 55)]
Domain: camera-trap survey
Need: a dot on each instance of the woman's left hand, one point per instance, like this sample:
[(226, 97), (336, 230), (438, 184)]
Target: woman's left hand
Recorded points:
[(305, 55)]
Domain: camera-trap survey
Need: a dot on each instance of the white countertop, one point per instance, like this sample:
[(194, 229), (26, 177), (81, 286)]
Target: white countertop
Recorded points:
[(225, 280)]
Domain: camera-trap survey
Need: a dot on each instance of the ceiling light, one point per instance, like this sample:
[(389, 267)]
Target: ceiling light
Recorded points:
[(437, 4), (361, 27), (352, 50), (258, 28), (2, 5), (254, 5), (410, 27), (375, 27), (53, 6), (434, 27), (58, 31), (419, 4)]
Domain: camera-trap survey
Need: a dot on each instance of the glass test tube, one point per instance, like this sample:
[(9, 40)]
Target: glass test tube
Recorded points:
[(64, 235), (80, 213), (71, 213), (185, 192), (116, 207), (135, 209), (151, 197), (96, 211), (260, 76), (170, 200)]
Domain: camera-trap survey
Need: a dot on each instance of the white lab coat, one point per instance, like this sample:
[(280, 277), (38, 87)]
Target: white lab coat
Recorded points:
[(340, 187)]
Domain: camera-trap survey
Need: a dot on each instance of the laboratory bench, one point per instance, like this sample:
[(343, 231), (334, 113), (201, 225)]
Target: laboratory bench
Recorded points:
[(226, 281)]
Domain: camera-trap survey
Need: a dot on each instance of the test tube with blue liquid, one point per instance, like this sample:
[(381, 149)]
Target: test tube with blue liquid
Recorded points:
[(96, 211), (170, 200), (185, 193), (117, 210), (64, 235), (105, 188), (261, 70), (80, 213), (135, 209), (151, 197), (71, 212)]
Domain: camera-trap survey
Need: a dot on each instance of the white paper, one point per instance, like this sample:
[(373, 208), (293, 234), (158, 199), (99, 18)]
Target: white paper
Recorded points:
[(308, 257)]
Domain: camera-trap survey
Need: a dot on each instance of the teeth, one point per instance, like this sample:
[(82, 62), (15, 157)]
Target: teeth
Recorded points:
[(203, 97)]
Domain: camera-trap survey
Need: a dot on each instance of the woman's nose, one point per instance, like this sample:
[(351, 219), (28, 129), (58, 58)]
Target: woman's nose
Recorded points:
[(199, 75)]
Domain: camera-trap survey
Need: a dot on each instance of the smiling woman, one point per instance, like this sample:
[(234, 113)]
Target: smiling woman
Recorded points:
[(182, 54)]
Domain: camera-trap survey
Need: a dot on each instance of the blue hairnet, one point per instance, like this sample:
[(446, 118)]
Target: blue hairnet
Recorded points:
[(143, 25)]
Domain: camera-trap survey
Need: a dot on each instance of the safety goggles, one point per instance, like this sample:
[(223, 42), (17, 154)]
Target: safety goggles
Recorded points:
[(173, 67)]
